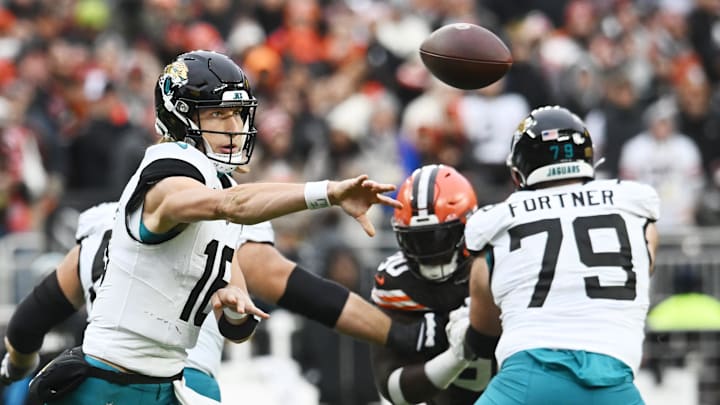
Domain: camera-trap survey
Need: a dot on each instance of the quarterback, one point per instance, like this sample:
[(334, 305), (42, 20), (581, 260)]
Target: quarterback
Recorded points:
[(171, 255)]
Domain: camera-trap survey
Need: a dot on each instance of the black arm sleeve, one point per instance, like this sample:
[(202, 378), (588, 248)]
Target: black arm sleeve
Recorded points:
[(314, 297), (44, 308)]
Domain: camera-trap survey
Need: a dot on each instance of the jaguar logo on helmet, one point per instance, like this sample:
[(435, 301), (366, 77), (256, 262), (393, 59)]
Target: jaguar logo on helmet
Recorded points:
[(525, 126), (174, 75)]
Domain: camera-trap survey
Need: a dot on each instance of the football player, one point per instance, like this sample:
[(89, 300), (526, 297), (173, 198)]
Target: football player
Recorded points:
[(174, 238), (568, 281), (428, 278)]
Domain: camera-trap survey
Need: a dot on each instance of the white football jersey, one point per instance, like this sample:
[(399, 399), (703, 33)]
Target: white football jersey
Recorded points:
[(570, 267), (156, 293), (93, 234), (206, 354)]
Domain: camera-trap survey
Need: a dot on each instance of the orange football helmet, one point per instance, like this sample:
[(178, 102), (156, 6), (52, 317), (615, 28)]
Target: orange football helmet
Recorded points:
[(437, 202)]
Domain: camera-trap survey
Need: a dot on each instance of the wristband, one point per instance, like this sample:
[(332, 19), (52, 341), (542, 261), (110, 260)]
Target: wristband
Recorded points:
[(238, 333), (316, 195)]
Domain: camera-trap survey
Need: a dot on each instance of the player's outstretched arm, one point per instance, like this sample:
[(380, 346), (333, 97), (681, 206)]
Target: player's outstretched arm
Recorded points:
[(176, 200), (273, 278), (52, 301)]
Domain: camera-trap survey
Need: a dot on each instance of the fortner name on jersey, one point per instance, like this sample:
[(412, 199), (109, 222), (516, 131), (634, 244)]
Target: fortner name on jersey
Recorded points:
[(571, 266)]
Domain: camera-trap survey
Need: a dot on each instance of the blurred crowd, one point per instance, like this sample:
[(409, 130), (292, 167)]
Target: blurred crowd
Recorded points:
[(342, 91)]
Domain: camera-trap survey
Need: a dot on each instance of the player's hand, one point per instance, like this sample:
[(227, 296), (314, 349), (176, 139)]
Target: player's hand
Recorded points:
[(10, 372), (238, 300), (424, 336), (357, 195), (456, 329)]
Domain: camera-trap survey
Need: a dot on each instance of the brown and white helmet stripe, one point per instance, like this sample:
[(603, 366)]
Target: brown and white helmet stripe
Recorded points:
[(423, 191)]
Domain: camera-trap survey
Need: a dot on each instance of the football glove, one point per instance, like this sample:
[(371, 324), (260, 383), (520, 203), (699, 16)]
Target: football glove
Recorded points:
[(456, 329)]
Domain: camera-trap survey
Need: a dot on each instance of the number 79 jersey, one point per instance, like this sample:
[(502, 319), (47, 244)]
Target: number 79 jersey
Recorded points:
[(570, 267)]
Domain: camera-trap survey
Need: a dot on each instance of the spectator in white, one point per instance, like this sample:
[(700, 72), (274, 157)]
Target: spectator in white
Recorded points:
[(486, 118), (667, 160)]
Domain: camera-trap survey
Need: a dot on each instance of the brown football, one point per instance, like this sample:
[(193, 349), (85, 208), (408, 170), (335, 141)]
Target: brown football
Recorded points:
[(465, 56)]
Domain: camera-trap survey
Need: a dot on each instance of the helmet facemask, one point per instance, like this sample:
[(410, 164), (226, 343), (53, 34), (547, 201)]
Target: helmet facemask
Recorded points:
[(433, 246), (245, 139)]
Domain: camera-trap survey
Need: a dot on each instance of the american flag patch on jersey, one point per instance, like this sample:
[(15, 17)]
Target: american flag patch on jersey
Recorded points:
[(395, 299), (549, 135)]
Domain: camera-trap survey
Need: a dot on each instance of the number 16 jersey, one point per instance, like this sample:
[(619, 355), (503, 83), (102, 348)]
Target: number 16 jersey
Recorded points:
[(156, 290), (570, 267)]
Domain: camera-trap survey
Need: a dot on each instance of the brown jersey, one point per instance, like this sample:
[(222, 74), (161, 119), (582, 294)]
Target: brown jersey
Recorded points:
[(407, 297)]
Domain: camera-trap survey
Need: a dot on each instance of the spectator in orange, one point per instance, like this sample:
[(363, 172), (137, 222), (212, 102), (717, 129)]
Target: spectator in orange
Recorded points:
[(299, 38), (263, 65)]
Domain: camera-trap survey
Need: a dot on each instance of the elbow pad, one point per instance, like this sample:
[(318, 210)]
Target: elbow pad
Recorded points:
[(43, 309)]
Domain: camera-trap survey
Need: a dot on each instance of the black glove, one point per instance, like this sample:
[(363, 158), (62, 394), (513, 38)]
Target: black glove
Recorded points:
[(424, 336), (9, 373)]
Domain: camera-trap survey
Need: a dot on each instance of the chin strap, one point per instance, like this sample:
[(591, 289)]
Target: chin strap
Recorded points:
[(217, 159)]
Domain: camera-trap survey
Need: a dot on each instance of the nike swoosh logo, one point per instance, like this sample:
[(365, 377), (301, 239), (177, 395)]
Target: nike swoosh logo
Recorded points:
[(380, 280)]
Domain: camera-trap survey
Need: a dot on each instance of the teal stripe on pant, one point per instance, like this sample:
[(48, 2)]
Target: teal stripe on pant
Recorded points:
[(526, 380), (202, 383), (95, 391)]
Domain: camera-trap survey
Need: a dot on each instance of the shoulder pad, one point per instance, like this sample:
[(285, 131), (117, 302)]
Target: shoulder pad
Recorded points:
[(388, 290), (96, 219)]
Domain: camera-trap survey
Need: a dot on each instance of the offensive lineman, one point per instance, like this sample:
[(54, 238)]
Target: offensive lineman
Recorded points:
[(428, 278), (569, 276)]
